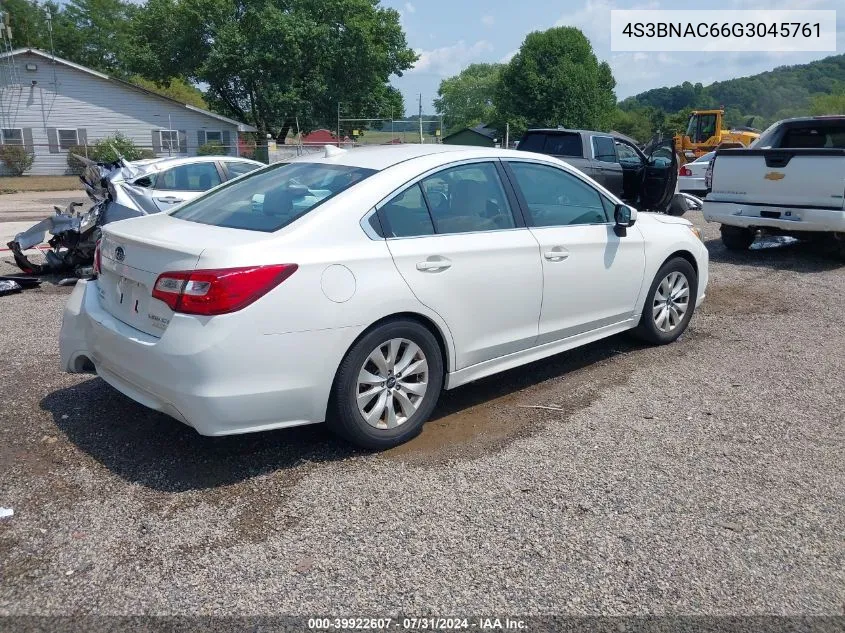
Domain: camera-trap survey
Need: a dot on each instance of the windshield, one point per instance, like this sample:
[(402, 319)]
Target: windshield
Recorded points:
[(271, 198), (706, 158)]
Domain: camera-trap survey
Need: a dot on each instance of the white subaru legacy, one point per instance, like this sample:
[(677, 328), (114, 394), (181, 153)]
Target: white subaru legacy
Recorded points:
[(353, 287)]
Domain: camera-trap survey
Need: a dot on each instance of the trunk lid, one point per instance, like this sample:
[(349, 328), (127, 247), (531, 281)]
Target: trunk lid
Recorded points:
[(791, 178), (135, 252)]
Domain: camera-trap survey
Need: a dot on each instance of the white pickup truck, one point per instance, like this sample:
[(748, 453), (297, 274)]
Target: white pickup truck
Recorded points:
[(790, 181)]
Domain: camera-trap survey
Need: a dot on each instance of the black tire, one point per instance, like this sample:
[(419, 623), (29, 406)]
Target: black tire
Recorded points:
[(647, 329), (737, 238), (346, 419)]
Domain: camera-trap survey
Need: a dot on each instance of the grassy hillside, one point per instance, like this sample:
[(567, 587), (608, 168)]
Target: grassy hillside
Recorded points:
[(785, 90), (758, 100)]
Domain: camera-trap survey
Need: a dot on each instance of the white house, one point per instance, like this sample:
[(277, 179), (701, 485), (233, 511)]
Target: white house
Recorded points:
[(50, 104)]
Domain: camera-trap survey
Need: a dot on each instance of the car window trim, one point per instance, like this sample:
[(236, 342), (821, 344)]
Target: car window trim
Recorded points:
[(519, 219), (524, 203)]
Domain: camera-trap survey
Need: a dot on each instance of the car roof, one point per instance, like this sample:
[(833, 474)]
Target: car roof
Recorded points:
[(167, 162), (379, 157)]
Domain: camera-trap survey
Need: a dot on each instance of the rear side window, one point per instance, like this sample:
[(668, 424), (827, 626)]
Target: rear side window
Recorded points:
[(533, 142), (237, 168), (406, 215), (196, 177), (564, 145), (462, 199), (815, 136), (272, 198), (604, 149)]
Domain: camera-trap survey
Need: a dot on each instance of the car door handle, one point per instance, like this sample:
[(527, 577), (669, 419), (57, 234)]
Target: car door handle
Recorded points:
[(169, 199), (557, 254), (434, 265)]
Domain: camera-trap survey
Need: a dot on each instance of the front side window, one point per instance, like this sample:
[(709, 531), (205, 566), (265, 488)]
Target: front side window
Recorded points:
[(196, 177), (628, 155), (13, 136), (272, 198), (468, 198), (68, 139), (556, 198), (170, 140), (604, 149)]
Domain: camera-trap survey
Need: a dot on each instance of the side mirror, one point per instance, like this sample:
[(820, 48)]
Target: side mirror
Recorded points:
[(624, 217), (146, 181)]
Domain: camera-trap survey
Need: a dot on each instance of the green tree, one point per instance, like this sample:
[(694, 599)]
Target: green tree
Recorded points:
[(28, 22), (270, 61), (828, 104), (175, 88), (633, 123), (467, 98), (94, 33), (555, 79)]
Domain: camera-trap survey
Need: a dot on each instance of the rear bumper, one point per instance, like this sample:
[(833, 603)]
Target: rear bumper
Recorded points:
[(691, 184), (815, 220), (213, 374)]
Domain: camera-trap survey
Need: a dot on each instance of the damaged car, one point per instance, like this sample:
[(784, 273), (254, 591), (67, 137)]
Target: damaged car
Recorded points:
[(119, 190)]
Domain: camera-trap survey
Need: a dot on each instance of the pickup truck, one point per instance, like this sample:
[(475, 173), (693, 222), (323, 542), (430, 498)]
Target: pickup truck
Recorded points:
[(791, 181), (615, 162)]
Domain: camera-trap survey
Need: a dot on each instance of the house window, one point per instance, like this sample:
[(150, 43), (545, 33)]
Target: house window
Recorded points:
[(68, 138), (170, 140), (213, 137), (12, 136)]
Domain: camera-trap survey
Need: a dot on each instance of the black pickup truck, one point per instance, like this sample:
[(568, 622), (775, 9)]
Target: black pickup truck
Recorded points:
[(615, 162)]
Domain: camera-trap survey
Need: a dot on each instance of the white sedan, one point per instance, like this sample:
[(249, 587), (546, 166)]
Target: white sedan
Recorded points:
[(354, 287), (691, 175)]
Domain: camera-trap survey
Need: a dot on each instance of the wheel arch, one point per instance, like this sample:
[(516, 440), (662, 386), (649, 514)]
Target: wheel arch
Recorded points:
[(683, 254), (442, 337)]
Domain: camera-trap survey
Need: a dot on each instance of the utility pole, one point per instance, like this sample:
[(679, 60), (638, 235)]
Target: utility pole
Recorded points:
[(338, 123), (507, 134), (421, 132)]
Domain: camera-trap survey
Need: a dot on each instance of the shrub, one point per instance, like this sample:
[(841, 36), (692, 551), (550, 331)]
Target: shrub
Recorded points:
[(213, 148), (104, 149), (17, 158), (73, 163)]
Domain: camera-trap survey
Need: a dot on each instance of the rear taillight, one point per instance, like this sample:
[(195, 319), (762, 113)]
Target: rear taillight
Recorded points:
[(218, 291), (684, 171), (97, 258)]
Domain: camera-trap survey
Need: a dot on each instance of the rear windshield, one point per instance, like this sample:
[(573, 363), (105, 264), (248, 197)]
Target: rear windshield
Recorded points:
[(272, 198), (556, 143)]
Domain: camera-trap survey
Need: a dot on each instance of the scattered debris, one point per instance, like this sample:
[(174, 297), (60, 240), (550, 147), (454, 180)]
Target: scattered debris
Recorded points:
[(538, 406), (9, 287), (733, 527), (5, 513), (23, 282), (68, 281)]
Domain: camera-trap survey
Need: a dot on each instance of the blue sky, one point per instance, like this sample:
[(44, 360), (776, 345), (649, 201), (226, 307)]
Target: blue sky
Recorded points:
[(451, 34)]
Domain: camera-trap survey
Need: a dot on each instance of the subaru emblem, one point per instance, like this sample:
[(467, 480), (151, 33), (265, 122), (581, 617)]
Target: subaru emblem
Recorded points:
[(119, 254)]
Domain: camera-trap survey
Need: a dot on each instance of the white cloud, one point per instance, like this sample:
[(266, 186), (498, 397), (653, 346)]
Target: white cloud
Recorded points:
[(449, 60), (509, 56), (410, 8), (488, 20)]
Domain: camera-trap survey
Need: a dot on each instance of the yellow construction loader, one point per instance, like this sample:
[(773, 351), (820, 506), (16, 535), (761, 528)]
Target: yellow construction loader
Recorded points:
[(704, 133)]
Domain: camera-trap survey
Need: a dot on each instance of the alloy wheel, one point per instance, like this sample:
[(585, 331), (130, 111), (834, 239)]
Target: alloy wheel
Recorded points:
[(671, 301), (392, 383)]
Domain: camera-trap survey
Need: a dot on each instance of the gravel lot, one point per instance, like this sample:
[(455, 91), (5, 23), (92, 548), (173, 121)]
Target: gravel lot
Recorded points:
[(703, 477)]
